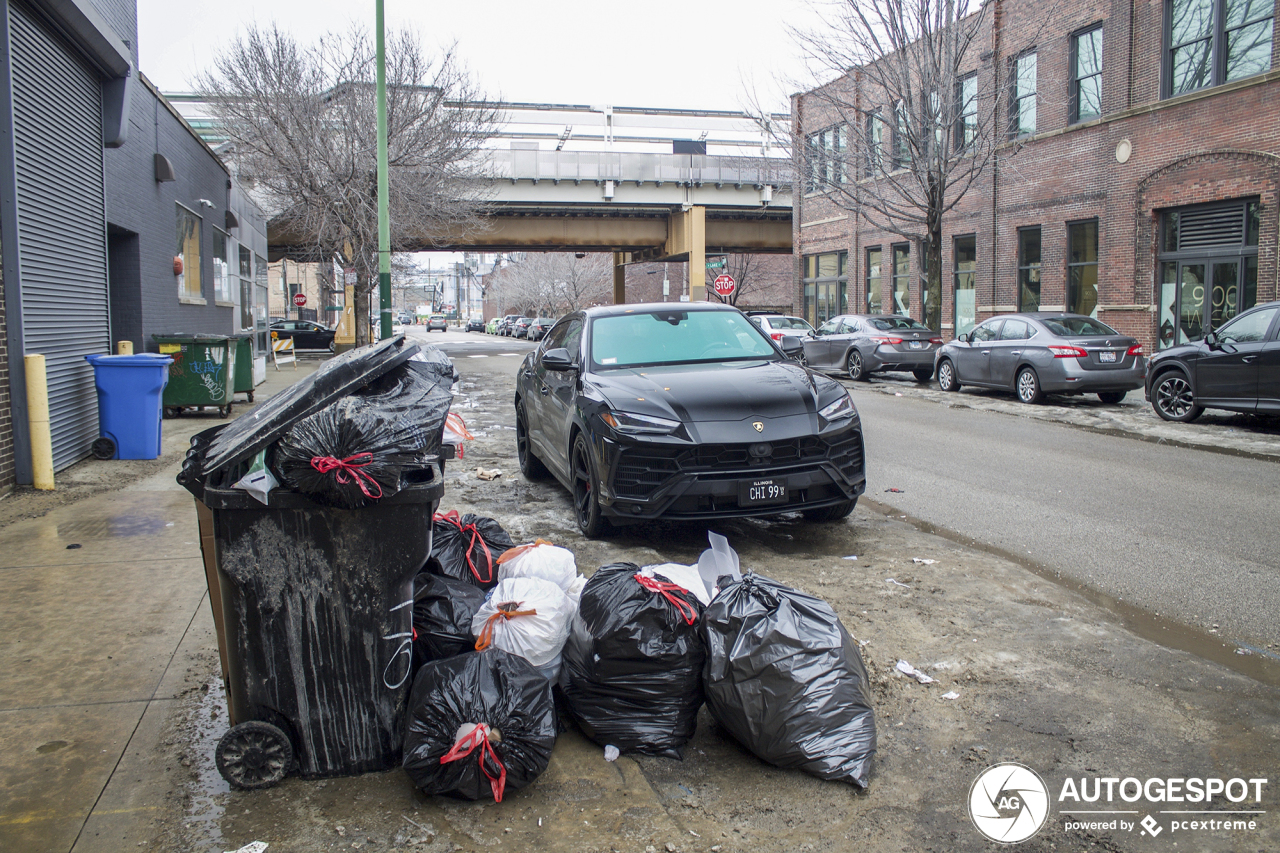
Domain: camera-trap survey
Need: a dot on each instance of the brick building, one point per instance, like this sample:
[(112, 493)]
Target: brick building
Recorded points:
[(1137, 177)]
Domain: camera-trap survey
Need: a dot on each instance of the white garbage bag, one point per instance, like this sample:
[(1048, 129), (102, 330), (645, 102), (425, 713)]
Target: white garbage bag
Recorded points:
[(539, 559), (525, 616)]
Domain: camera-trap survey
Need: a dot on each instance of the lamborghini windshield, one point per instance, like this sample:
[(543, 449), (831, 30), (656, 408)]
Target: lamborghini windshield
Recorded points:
[(675, 337)]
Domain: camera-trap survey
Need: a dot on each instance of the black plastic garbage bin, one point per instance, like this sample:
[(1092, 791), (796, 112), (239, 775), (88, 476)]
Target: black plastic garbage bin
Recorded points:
[(313, 604), (317, 606)]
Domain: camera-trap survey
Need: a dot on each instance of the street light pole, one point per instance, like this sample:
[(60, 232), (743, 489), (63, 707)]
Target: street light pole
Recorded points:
[(384, 219)]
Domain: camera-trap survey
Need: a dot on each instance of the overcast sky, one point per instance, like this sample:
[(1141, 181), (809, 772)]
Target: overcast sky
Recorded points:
[(645, 53)]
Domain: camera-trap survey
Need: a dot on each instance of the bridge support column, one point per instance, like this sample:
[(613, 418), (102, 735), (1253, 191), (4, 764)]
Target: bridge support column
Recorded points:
[(619, 279), (687, 235)]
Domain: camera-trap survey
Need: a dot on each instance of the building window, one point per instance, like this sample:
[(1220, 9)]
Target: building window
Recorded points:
[(875, 291), (221, 267), (901, 136), (966, 264), (1082, 268), (966, 111), (1208, 268), (901, 280), (1212, 42), (189, 253), (1086, 74), (875, 144), (826, 152), (1029, 269), (825, 286), (246, 288), (1022, 107)]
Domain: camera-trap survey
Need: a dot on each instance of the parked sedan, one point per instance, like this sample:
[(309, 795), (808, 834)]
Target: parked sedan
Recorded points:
[(777, 326), (1037, 353), (538, 328), (491, 327), (862, 344), (305, 334), (1236, 367), (520, 328), (648, 411), (504, 326), (475, 324)]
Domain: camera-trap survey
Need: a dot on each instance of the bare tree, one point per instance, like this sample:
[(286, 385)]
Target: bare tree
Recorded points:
[(911, 121), (302, 122), (555, 283), (748, 274)]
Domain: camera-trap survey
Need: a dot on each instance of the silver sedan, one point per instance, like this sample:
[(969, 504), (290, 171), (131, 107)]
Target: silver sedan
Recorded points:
[(862, 344), (1042, 353)]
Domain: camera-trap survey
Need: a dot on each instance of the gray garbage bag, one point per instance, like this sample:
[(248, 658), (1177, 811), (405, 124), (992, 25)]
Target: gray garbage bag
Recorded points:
[(785, 678)]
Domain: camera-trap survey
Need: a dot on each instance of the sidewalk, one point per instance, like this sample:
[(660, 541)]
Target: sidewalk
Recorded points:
[(1215, 430), (103, 603)]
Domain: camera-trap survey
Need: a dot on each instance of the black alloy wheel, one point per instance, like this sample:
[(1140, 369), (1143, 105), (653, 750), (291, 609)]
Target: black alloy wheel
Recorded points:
[(830, 513), (586, 503), (853, 364), (1173, 400), (947, 376), (254, 755), (922, 375), (1028, 385), (530, 465), (1111, 397)]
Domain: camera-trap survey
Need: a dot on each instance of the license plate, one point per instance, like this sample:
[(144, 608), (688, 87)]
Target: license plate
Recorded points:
[(1106, 356), (757, 492), (917, 344)]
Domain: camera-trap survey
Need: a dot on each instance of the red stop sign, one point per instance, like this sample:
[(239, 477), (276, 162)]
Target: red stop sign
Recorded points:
[(299, 299), (725, 285)]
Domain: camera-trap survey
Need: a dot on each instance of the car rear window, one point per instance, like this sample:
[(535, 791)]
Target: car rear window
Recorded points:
[(675, 337), (788, 323), (897, 324), (1077, 326)]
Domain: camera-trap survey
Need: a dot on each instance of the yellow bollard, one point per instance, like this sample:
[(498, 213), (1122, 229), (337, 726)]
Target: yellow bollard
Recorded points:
[(124, 347), (38, 421)]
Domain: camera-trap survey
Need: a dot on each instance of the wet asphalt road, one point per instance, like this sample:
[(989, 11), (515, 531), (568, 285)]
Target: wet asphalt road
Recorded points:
[(1179, 532)]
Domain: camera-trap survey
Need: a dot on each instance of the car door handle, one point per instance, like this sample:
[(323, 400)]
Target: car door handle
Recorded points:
[(1015, 352), (545, 389), (1249, 359), (986, 352)]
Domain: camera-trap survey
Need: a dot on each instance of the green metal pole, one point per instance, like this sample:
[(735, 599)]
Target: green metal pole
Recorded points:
[(384, 218)]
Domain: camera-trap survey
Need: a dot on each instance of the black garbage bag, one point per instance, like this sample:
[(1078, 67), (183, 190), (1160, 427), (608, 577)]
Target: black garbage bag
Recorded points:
[(479, 724), (467, 548), (632, 673), (786, 679), (365, 446), (442, 612)]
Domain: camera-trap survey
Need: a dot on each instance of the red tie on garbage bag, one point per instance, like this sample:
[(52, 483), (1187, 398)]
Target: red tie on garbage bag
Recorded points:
[(453, 518), (479, 736), (349, 471), (666, 589), (506, 612)]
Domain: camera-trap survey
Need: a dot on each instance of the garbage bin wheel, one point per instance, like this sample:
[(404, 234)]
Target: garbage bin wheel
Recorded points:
[(254, 755), (172, 411), (224, 411), (103, 448), (250, 394)]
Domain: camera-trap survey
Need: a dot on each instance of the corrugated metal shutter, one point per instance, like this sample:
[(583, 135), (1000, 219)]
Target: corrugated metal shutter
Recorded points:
[(57, 124)]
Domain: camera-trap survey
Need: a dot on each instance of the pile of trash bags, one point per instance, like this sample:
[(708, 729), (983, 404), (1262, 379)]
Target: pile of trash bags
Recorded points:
[(631, 654)]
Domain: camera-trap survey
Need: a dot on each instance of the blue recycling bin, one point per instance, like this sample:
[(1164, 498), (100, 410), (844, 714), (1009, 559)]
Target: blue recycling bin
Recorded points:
[(130, 389)]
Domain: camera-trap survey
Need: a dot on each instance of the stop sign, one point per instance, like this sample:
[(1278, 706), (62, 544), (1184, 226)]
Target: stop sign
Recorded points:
[(725, 285), (299, 299)]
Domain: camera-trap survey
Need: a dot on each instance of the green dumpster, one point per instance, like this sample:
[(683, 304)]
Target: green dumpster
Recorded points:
[(244, 366), (202, 374)]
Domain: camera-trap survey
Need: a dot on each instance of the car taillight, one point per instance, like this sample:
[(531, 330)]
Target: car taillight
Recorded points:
[(1068, 352), (777, 336), (935, 340), (886, 340), (1136, 349)]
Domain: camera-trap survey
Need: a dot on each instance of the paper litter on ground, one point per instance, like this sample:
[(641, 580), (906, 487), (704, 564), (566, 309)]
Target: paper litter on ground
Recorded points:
[(911, 672), (923, 561)]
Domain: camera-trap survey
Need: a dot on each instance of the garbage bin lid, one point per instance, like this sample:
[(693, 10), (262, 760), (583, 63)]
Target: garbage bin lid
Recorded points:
[(338, 377), (190, 338), (149, 359)]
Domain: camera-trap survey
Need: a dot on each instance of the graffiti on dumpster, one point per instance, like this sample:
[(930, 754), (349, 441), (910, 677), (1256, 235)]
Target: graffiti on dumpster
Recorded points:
[(404, 649), (210, 373)]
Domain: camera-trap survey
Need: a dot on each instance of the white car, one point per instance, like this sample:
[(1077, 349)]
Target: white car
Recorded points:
[(778, 325)]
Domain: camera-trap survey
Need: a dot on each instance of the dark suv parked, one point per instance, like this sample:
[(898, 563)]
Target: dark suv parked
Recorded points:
[(1235, 367)]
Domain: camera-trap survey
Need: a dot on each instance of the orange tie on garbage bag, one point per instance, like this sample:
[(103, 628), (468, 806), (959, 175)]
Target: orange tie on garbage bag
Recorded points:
[(479, 736), (666, 589), (506, 611), (511, 553), (349, 466), (453, 518)]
